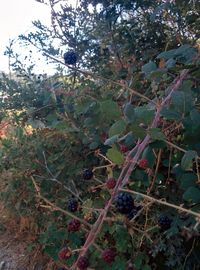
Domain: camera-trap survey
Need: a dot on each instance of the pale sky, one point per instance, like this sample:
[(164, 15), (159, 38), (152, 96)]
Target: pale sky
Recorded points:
[(15, 19)]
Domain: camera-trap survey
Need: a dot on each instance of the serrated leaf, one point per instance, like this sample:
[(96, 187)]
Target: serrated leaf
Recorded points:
[(115, 156), (117, 128), (192, 194), (129, 112), (186, 161), (156, 134)]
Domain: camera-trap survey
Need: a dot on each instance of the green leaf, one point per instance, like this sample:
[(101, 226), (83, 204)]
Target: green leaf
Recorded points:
[(149, 155), (156, 134), (167, 55), (192, 195), (111, 140), (119, 263), (186, 161), (122, 238), (94, 145), (129, 112), (187, 180), (144, 114), (138, 132), (117, 128), (149, 67), (110, 110), (182, 101), (170, 114), (115, 156)]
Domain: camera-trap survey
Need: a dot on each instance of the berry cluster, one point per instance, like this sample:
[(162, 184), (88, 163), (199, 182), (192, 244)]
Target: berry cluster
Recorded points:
[(83, 263), (87, 174), (143, 163), (64, 253), (70, 58), (124, 203), (74, 225), (108, 255), (164, 222), (110, 183), (73, 205)]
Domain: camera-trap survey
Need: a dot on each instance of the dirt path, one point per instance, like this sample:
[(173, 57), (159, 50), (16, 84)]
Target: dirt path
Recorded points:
[(12, 253)]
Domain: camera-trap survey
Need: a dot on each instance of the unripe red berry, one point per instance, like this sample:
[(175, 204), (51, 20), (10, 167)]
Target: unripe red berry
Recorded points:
[(74, 225), (83, 263), (110, 183), (143, 163), (123, 148), (64, 253), (108, 255)]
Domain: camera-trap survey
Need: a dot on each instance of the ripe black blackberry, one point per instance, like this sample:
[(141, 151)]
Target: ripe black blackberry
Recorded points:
[(108, 255), (74, 225), (73, 205), (124, 203), (70, 57), (87, 174), (164, 222), (83, 263)]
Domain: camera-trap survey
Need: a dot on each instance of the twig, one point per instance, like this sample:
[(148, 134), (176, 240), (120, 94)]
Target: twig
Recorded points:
[(162, 202), (55, 207), (156, 172)]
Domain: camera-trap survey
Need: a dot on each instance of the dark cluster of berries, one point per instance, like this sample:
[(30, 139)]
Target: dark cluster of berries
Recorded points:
[(83, 263), (164, 222), (110, 183), (133, 212), (64, 253), (61, 268), (143, 163), (108, 255), (74, 225), (87, 174), (70, 58), (73, 205), (124, 203), (123, 148)]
